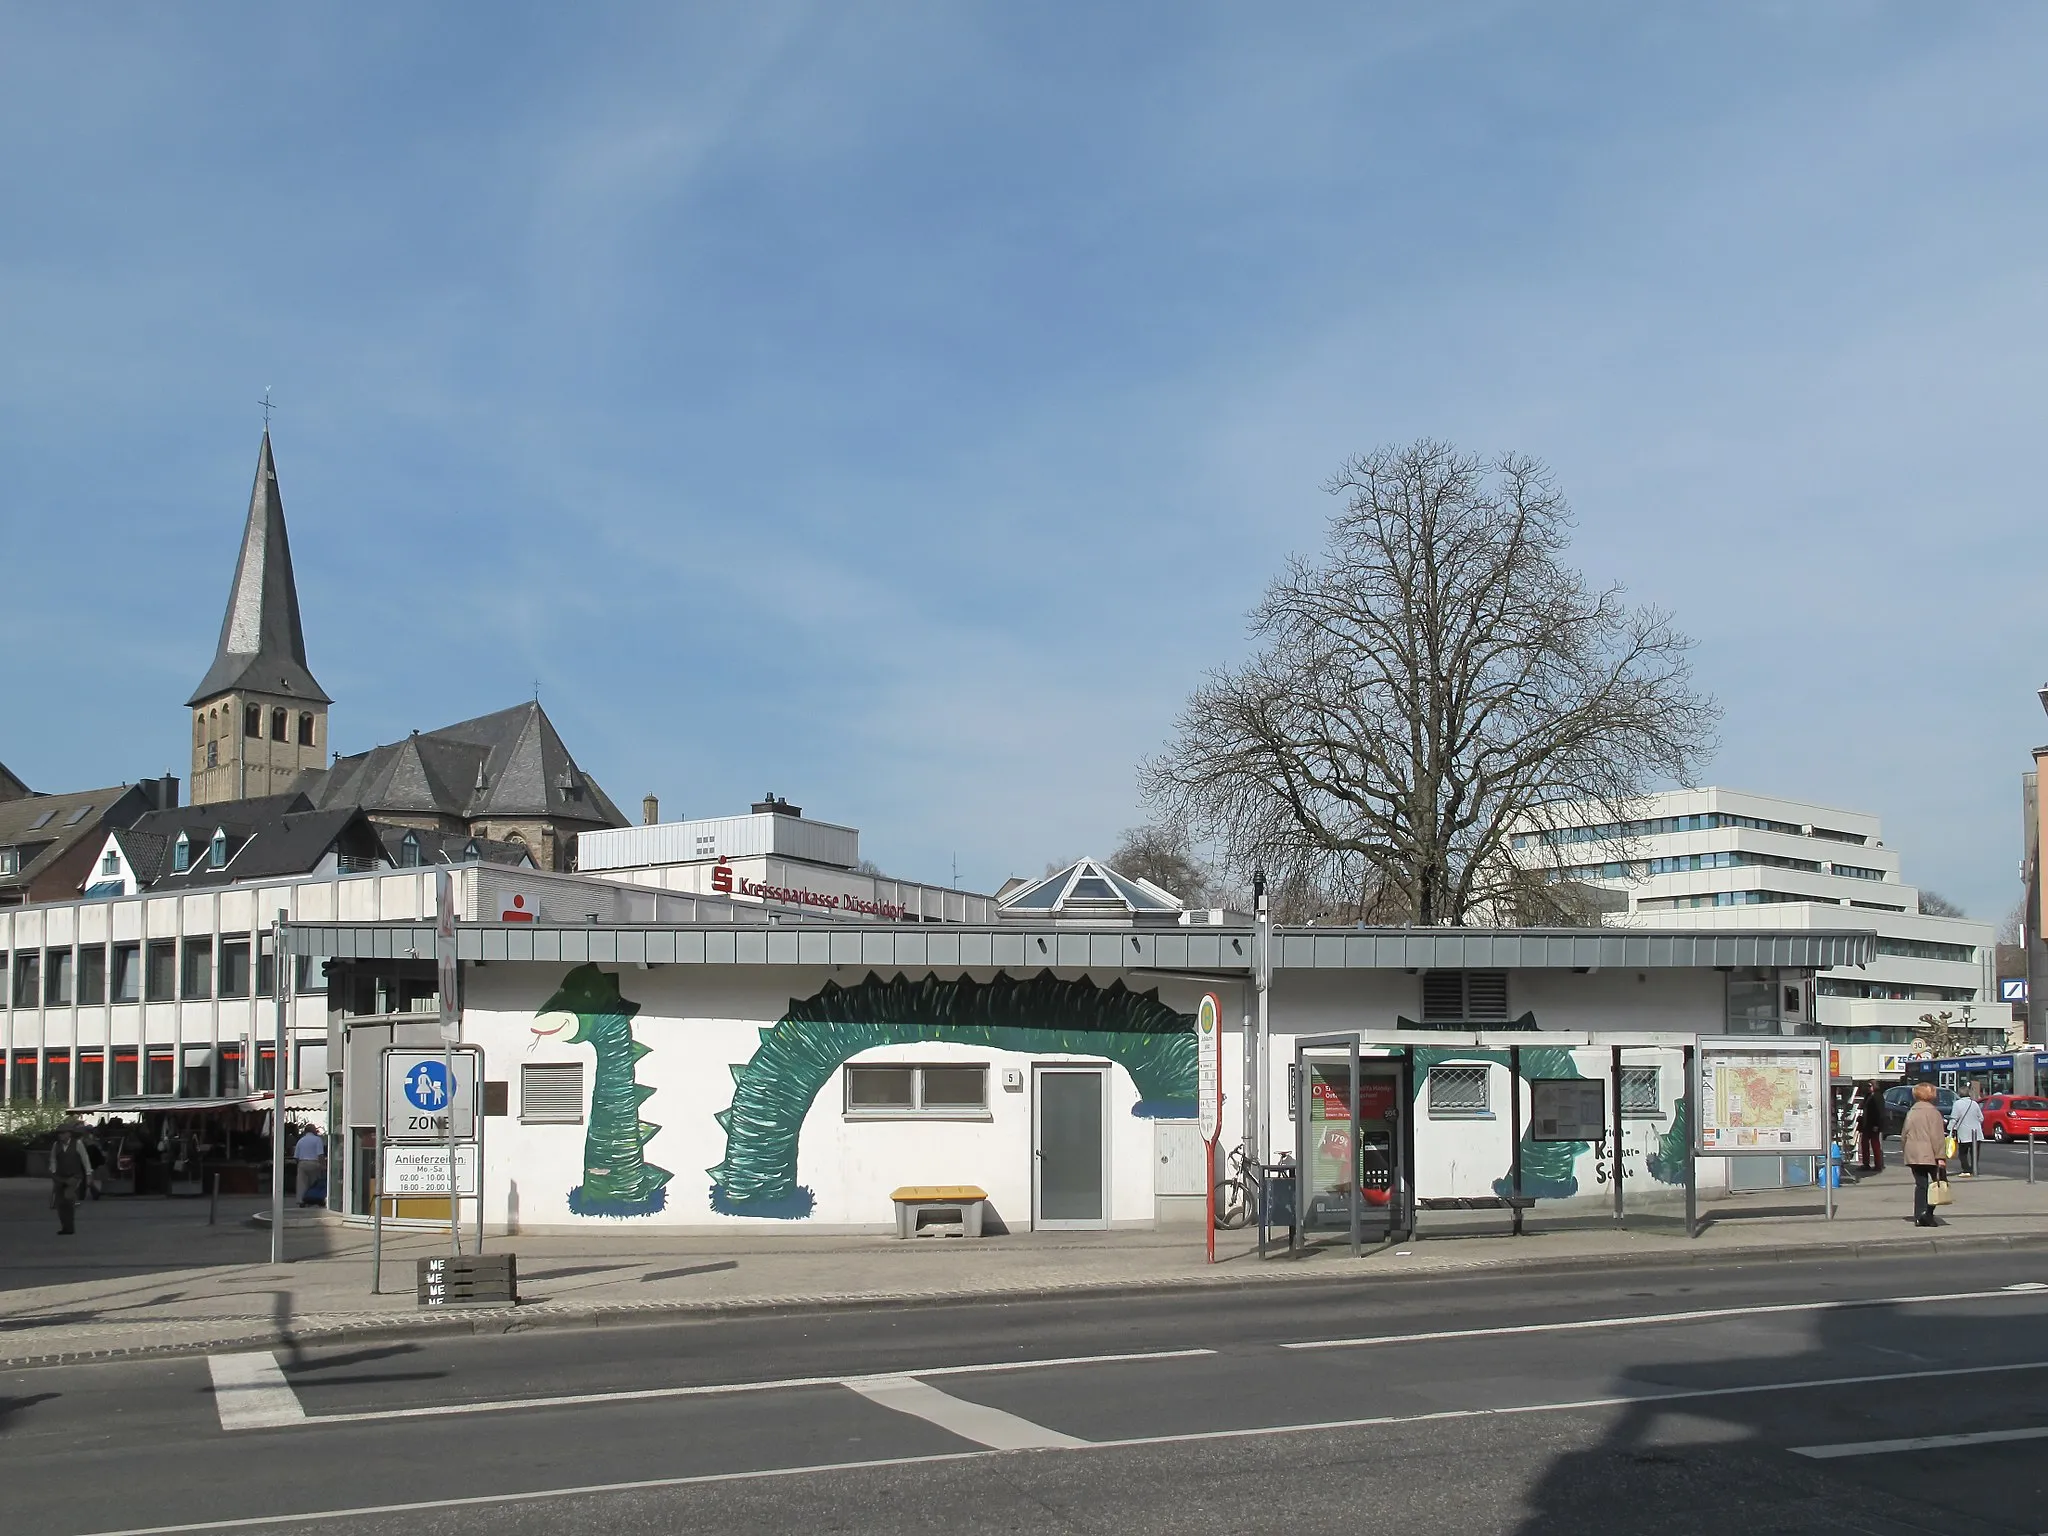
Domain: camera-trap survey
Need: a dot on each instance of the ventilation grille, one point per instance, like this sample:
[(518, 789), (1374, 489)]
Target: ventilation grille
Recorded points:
[(1486, 994), (1443, 995), (1461, 996), (551, 1092)]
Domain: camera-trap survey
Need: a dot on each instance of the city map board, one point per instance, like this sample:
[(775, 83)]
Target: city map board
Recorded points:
[(1759, 1100)]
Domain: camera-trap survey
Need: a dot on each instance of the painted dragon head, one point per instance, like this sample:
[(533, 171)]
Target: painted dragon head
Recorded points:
[(586, 995)]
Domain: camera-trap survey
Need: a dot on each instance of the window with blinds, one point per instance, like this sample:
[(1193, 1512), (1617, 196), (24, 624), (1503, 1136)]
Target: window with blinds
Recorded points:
[(1456, 997), (551, 1093)]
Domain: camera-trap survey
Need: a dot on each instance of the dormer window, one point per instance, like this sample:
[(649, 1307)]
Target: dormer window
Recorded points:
[(409, 852), (471, 853), (111, 864), (181, 852), (10, 861), (217, 854)]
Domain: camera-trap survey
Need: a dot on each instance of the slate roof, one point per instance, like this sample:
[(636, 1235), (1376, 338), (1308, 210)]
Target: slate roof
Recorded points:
[(274, 836), (47, 827), (262, 648), (437, 848), (511, 763)]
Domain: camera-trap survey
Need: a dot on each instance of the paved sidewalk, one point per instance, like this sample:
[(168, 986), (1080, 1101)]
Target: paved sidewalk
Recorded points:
[(151, 1275)]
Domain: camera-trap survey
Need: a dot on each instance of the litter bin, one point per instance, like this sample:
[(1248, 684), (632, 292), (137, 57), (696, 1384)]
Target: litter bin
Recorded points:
[(1278, 1187)]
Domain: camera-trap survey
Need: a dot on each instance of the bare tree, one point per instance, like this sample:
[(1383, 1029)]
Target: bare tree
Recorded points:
[(2012, 933), (1166, 857), (1934, 904), (1436, 679)]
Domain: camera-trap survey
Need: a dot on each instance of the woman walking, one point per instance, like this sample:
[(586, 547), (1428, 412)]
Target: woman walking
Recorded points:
[(1922, 1142), (1966, 1124)]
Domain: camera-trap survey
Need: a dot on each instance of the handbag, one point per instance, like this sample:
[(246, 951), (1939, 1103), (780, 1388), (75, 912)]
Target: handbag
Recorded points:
[(1938, 1192), (1951, 1150)]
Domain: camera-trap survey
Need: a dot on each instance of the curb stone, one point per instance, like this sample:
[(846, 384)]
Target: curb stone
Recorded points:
[(500, 1321)]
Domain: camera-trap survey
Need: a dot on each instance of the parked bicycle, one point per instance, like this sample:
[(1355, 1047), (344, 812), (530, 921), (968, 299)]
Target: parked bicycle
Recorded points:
[(1241, 1192)]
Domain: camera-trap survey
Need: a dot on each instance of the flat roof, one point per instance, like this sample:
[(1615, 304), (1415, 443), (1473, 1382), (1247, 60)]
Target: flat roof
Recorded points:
[(1224, 952)]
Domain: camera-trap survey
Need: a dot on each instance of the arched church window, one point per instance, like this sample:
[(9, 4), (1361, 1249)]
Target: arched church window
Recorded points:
[(277, 724), (252, 720), (305, 730)]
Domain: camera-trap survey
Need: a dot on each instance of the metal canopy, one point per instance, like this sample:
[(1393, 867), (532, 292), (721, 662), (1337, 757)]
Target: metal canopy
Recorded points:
[(1226, 950)]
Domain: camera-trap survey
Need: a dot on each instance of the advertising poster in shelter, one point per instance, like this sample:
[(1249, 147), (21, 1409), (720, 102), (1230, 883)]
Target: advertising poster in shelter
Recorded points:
[(1329, 1123)]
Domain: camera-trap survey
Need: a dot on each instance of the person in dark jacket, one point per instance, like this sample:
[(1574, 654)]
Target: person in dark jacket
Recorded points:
[(1923, 1142), (70, 1170), (1870, 1129)]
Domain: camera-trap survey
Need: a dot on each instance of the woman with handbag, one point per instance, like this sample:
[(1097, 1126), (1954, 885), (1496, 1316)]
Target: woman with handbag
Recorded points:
[(70, 1169), (1923, 1142)]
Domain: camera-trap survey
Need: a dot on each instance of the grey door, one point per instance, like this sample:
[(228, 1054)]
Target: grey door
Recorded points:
[(1068, 1147)]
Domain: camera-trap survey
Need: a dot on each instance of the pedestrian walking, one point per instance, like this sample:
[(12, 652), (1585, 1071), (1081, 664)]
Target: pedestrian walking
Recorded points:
[(310, 1153), (1966, 1124), (1870, 1129), (70, 1172), (1923, 1141)]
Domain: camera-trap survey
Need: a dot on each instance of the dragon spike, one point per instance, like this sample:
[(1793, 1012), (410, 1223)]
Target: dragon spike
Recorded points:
[(641, 1048), (767, 1033), (724, 1119), (644, 1092), (647, 1131), (717, 1172), (738, 1069)]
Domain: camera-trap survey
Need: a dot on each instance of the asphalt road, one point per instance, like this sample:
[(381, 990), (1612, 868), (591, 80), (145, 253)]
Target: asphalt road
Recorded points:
[(1754, 1398)]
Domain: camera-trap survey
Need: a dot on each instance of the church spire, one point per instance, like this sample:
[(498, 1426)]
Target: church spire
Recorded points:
[(262, 648)]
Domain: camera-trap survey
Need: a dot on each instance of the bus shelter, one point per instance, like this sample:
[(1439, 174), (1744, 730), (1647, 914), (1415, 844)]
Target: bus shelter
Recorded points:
[(1382, 1118)]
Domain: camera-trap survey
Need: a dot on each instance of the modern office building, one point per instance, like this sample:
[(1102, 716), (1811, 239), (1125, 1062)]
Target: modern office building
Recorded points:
[(1725, 860)]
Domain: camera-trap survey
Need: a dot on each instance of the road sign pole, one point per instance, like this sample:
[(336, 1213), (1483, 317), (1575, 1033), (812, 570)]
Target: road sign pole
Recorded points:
[(280, 970), (1209, 1099), (451, 1026)]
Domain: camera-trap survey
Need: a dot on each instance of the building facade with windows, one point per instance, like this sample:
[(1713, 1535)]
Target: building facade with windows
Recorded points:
[(1720, 860)]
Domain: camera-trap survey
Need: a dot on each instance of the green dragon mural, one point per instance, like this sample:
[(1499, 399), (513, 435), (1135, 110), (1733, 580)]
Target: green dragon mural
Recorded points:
[(799, 1053), (617, 1178), (1547, 1166)]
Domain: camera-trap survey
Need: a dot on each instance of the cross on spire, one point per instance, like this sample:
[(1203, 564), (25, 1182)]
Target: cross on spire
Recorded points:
[(267, 407)]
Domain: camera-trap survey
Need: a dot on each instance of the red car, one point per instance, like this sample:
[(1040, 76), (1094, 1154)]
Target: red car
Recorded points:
[(2009, 1116)]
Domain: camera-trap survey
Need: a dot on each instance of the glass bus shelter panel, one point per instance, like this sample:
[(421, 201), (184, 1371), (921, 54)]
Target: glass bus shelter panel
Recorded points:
[(1334, 1158)]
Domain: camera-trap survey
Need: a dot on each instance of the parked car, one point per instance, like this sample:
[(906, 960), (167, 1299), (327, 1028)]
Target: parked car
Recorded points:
[(1899, 1098), (2010, 1115)]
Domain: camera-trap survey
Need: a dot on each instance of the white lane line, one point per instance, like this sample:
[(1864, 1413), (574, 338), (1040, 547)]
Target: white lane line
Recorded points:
[(1656, 1319), (251, 1392), (1919, 1443), (992, 1427), (721, 1389), (651, 1484)]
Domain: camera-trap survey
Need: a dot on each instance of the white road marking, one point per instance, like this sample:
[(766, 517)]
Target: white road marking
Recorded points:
[(1655, 1319), (648, 1394), (992, 1427), (251, 1392), (1919, 1443), (1390, 1421)]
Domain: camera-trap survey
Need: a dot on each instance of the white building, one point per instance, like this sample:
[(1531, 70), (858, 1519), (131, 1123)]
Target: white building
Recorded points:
[(1724, 860), (775, 858)]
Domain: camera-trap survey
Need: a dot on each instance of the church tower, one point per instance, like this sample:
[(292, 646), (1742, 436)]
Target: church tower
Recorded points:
[(258, 718)]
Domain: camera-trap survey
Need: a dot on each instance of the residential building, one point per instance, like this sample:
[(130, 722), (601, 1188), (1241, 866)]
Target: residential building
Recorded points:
[(274, 838), (1724, 860), (47, 842)]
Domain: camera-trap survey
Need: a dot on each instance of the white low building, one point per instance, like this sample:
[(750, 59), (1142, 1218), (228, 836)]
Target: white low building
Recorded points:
[(774, 858), (1724, 861)]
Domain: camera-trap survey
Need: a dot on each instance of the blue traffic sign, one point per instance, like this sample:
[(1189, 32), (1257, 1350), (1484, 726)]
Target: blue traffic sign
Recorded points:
[(426, 1085)]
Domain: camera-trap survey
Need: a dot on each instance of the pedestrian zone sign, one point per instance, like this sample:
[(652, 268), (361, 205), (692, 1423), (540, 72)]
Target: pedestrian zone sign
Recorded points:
[(419, 1095)]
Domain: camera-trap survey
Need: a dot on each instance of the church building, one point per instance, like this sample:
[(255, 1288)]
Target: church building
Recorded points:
[(501, 787)]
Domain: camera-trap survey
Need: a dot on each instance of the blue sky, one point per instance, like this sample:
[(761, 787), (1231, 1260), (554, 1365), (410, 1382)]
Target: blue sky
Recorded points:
[(898, 407)]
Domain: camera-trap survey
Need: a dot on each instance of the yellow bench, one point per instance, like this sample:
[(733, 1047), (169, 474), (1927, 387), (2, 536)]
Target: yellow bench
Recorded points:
[(962, 1203)]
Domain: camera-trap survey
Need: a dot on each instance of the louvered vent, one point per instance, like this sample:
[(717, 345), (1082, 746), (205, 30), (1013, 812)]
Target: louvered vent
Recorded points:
[(1486, 994), (1443, 995), (551, 1092)]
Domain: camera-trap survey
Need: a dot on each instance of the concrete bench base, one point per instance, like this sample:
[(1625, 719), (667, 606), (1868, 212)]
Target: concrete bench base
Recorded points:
[(963, 1203), (1477, 1203)]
